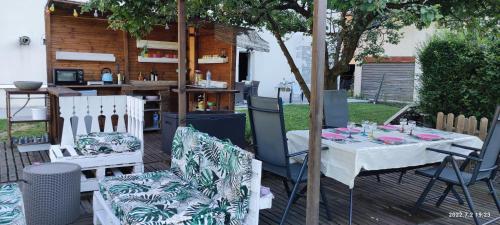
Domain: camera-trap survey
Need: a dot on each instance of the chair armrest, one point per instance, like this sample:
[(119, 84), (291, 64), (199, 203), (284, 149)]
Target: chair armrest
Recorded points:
[(488, 169), (465, 147), (304, 152), (454, 154), (297, 153)]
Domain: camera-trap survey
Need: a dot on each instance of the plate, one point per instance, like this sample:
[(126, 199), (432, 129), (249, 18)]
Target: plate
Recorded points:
[(388, 127), (391, 140), (332, 136), (428, 137), (346, 130)]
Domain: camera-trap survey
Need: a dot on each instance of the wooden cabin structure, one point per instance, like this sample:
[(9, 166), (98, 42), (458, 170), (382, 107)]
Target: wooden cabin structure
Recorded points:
[(86, 42)]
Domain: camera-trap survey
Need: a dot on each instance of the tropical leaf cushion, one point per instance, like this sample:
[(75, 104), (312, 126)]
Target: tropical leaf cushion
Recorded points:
[(159, 198), (218, 169), (105, 143), (11, 205), (209, 183)]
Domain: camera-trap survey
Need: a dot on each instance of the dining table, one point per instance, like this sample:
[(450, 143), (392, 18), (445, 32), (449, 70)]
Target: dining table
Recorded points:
[(348, 153)]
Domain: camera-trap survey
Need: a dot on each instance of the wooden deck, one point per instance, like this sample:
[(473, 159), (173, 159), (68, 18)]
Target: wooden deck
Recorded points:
[(385, 202)]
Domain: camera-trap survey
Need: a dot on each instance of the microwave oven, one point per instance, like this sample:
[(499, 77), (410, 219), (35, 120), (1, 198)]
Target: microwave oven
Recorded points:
[(68, 77)]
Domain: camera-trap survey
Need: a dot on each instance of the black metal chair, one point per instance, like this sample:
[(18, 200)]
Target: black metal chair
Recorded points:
[(270, 144), (239, 97), (335, 108), (484, 169), (254, 91)]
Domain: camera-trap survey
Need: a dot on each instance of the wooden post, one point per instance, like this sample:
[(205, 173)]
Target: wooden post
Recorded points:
[(181, 39), (126, 65), (316, 106)]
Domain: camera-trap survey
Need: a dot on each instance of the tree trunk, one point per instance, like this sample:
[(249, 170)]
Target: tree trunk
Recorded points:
[(289, 59)]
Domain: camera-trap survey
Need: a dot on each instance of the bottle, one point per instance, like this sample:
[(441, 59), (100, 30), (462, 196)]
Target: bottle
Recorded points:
[(140, 77), (156, 119), (119, 77), (209, 78)]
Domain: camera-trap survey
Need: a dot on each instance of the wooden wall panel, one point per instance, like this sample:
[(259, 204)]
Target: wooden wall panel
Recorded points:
[(84, 35), (209, 45), (166, 71), (88, 34)]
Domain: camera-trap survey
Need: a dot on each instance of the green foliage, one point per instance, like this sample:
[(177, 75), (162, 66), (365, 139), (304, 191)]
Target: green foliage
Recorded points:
[(460, 76)]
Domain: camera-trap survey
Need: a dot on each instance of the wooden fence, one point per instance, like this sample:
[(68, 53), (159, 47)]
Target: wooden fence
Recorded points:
[(462, 125)]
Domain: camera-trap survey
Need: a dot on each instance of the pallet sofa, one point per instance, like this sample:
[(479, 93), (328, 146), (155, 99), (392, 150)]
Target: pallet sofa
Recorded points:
[(210, 182), (102, 134)]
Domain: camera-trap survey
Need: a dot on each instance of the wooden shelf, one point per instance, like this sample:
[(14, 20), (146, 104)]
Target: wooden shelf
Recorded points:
[(151, 128), (166, 45), (26, 119), (152, 110), (157, 60), (212, 60), (85, 56)]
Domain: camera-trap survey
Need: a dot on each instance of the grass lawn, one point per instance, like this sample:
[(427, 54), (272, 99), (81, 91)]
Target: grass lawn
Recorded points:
[(21, 129), (297, 116)]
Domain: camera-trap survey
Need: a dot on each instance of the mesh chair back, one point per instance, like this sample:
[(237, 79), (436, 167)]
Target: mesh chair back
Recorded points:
[(255, 88), (335, 108), (238, 97), (267, 123), (490, 151)]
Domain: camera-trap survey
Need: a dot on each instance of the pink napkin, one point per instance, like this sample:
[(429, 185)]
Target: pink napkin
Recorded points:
[(390, 140), (332, 136), (428, 137), (388, 127), (346, 130)]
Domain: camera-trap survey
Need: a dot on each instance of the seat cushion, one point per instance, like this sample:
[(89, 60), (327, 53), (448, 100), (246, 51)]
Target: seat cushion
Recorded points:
[(159, 198), (11, 205), (218, 169), (105, 143)]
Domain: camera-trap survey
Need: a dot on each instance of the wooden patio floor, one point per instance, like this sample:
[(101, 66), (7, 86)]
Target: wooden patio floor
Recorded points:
[(385, 202)]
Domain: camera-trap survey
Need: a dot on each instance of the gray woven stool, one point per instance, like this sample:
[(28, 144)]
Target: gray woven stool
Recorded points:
[(51, 193)]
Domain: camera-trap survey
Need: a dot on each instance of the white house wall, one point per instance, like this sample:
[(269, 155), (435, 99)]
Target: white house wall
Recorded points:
[(271, 67), (21, 18), (408, 45)]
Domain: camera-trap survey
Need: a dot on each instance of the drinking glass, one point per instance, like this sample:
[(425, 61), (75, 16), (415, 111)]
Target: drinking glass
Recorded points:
[(365, 124), (350, 126), (402, 123), (412, 124), (373, 127)]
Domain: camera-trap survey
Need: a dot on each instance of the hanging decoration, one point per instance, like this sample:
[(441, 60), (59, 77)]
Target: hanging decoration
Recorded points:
[(96, 14), (52, 8), (75, 13)]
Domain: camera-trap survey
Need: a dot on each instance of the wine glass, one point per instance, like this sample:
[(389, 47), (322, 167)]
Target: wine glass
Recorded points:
[(350, 126), (402, 123), (365, 124), (411, 126)]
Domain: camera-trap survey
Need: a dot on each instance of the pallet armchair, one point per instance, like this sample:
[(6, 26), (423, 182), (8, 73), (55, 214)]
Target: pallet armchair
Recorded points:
[(102, 134), (209, 182)]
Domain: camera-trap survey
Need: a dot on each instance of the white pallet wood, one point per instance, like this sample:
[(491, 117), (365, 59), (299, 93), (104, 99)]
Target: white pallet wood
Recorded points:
[(103, 215)]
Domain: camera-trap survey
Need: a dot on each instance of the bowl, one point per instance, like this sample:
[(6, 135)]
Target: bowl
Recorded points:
[(28, 85)]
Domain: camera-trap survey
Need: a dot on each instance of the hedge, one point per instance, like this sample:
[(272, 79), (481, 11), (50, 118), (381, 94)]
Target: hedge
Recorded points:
[(459, 75)]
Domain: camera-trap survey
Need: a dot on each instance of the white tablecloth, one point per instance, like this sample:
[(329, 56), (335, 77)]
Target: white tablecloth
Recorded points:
[(344, 160)]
